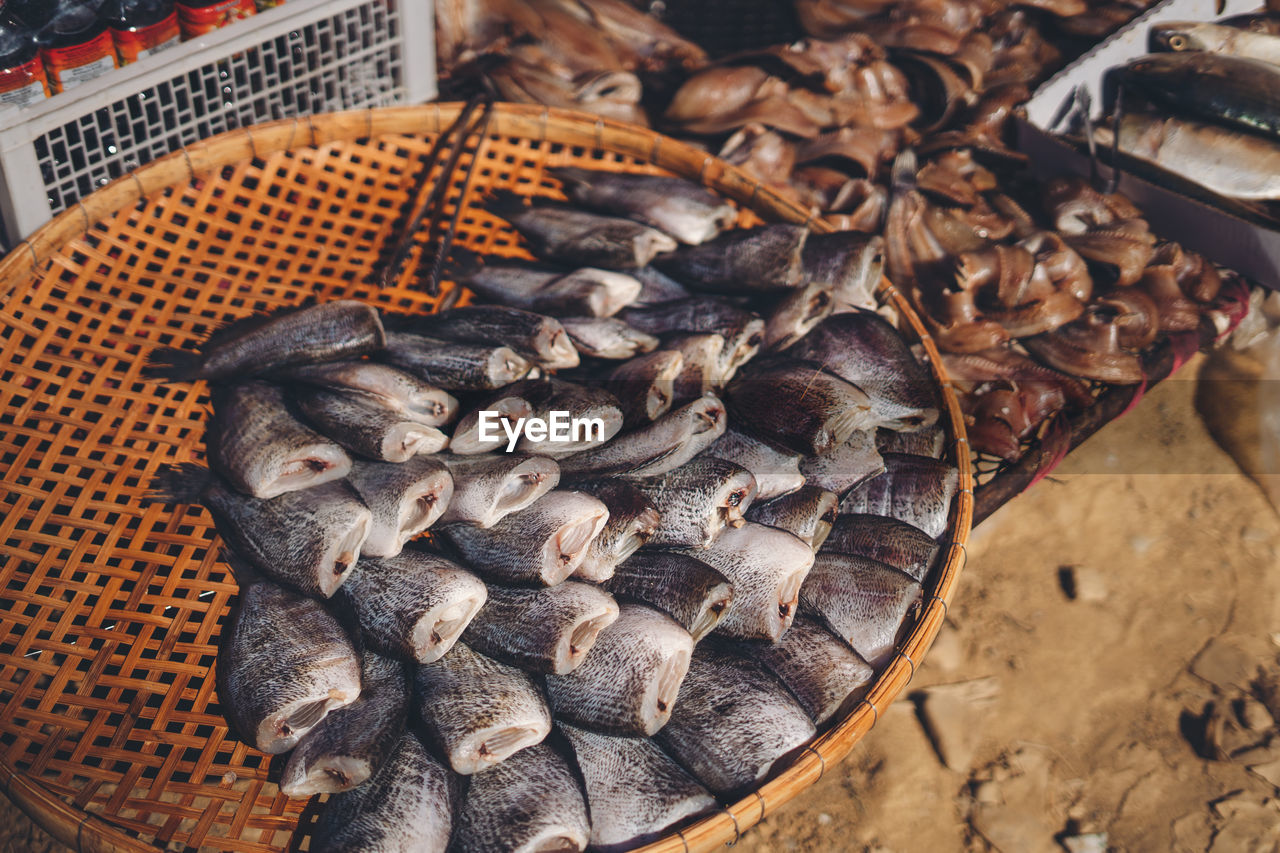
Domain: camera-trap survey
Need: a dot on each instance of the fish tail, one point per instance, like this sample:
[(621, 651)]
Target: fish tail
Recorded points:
[(568, 175), (241, 569), (170, 364), (461, 264), (504, 204), (184, 483)]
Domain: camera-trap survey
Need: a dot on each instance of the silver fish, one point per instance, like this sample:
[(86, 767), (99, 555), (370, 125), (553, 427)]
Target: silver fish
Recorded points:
[(657, 448), (756, 259), (607, 337), (819, 670), (407, 807), (915, 489), (633, 519), (628, 684), (530, 803), (766, 567), (587, 404), (799, 406), (645, 385), (930, 441), (683, 587), (864, 602), (888, 540), (698, 500), (352, 743), (466, 438), (365, 426), (264, 343), (777, 472), (488, 487), (263, 450), (807, 513), (456, 366), (797, 313), (686, 211), (634, 791), (559, 233), (404, 500), (283, 663), (478, 711), (414, 605), (537, 337), (743, 331), (548, 630), (733, 721), (851, 263), (542, 544), (423, 401), (853, 462), (862, 348)]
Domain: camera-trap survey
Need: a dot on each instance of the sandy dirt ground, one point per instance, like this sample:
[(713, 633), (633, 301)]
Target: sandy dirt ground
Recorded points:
[(1107, 678)]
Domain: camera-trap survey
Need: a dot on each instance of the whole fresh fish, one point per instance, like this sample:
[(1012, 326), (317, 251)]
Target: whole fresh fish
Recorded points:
[(863, 601), (414, 605), (700, 369), (634, 790), (686, 211), (352, 743), (547, 630), (456, 366), (1244, 93), (396, 389), (466, 438), (743, 259), (262, 450), (530, 803), (607, 337), (657, 448), (403, 499), (799, 406), (1215, 38), (698, 500), (851, 263), (797, 313), (777, 472), (542, 544), (853, 462), (284, 662), (586, 292), (807, 513), (930, 441), (733, 721), (819, 670), (563, 234), (488, 487), (645, 385), (1231, 163), (365, 426), (628, 684), (478, 711), (888, 540), (407, 806), (580, 404), (743, 331), (766, 567), (633, 519), (862, 348), (308, 539), (265, 343), (539, 338), (683, 587), (914, 489)]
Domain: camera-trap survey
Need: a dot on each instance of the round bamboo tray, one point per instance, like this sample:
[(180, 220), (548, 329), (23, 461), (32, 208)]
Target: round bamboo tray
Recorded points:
[(110, 733)]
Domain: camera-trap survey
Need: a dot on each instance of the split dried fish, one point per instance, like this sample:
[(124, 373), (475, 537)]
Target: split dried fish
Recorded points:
[(657, 448), (819, 670), (506, 408), (914, 489), (807, 513), (777, 472), (799, 406), (851, 463), (887, 540), (456, 366), (743, 259), (396, 389), (686, 211), (633, 519), (367, 427), (537, 337), (607, 337), (698, 500), (586, 292)]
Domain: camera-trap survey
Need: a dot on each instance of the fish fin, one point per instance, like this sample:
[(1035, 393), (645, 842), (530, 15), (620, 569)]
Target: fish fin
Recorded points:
[(170, 364), (569, 175), (504, 204), (461, 263), (183, 483), (241, 569)]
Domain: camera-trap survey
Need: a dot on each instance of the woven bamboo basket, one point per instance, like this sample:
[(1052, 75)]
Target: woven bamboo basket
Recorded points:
[(110, 732)]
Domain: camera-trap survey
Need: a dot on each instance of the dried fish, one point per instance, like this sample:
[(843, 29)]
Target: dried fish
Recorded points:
[(537, 337), (541, 630), (914, 489), (777, 472), (456, 366), (404, 499), (682, 209), (863, 601), (657, 448), (607, 337), (488, 487), (797, 405), (681, 586), (887, 540), (757, 259), (633, 519), (367, 427), (396, 389), (807, 513), (698, 500)]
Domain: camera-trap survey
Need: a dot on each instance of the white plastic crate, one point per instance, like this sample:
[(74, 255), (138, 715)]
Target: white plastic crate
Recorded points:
[(300, 58)]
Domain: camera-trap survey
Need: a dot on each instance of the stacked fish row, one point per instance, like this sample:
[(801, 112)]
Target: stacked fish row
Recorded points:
[(605, 632)]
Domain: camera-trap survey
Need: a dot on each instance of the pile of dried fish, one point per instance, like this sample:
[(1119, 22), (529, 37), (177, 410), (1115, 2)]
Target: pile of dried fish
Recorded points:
[(602, 634)]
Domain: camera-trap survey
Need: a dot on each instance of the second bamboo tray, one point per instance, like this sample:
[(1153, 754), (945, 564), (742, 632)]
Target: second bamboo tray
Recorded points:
[(110, 606)]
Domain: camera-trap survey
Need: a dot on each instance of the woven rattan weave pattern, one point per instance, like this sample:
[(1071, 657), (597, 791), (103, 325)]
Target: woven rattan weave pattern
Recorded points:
[(110, 606)]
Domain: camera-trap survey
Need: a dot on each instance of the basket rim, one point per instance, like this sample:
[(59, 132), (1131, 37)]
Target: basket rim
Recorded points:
[(87, 831)]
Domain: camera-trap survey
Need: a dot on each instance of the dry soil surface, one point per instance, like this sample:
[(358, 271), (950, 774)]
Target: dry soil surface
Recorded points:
[(1107, 679)]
